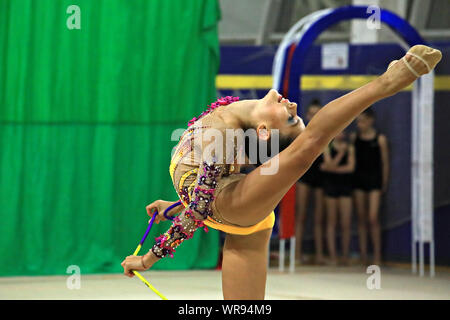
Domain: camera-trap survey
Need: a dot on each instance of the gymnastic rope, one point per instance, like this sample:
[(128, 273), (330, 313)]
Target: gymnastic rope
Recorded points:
[(142, 242)]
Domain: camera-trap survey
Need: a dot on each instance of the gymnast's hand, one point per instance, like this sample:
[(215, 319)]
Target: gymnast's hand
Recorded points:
[(138, 263), (160, 206), (328, 167)]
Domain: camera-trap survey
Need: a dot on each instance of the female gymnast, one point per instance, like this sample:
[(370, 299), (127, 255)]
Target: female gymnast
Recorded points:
[(338, 165), (370, 181), (215, 194), (310, 183)]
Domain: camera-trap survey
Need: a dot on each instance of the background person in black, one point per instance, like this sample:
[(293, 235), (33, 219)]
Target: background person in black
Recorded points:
[(370, 181), (311, 181), (338, 166)]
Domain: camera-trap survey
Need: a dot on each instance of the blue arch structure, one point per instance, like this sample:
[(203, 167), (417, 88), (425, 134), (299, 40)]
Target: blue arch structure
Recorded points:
[(291, 88), (295, 56)]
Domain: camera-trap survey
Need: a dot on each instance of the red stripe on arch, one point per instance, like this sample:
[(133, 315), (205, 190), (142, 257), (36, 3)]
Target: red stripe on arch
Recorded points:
[(287, 204), (285, 87)]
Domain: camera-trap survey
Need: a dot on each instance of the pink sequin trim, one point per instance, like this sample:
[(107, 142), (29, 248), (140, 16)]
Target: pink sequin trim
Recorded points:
[(220, 102)]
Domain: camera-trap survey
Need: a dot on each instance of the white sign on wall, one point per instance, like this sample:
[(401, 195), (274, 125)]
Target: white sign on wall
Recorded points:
[(334, 56)]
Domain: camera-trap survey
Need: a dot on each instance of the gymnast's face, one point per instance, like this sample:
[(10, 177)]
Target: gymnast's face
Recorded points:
[(312, 110), (275, 112), (364, 122), (341, 137)]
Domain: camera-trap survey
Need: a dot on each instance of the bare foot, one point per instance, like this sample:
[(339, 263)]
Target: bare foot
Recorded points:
[(345, 261), (377, 262), (364, 261), (332, 262), (319, 260), (300, 260)]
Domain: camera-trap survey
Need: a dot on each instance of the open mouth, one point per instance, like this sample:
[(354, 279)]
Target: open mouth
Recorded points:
[(283, 100)]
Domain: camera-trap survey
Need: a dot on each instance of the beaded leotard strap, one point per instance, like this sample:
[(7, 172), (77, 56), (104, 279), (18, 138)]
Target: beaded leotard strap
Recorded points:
[(220, 102)]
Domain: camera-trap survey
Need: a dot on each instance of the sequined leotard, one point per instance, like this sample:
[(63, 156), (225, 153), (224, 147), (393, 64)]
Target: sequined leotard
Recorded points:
[(195, 175)]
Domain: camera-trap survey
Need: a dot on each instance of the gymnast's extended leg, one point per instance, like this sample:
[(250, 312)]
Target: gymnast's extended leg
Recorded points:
[(250, 200)]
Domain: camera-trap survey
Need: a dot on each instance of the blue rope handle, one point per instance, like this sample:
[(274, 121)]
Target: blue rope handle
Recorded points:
[(176, 204)]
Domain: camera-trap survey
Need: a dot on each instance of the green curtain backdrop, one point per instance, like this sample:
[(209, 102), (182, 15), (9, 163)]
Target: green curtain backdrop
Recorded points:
[(86, 118)]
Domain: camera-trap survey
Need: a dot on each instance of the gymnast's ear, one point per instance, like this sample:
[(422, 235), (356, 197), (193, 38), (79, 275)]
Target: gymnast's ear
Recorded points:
[(262, 132)]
